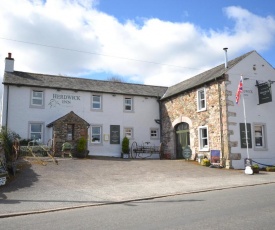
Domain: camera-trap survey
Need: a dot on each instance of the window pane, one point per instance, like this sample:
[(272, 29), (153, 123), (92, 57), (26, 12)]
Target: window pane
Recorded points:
[(96, 101), (128, 133), (36, 127), (203, 138), (36, 132), (37, 97), (128, 103), (96, 134), (259, 136)]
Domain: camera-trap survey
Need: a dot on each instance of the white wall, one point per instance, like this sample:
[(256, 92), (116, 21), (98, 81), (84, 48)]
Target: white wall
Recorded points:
[(146, 110), (255, 113)]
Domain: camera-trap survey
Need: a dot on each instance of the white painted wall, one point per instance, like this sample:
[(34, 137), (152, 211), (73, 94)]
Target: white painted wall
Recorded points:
[(146, 110), (264, 113)]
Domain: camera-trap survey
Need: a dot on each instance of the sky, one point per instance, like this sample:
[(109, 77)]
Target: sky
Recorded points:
[(154, 42)]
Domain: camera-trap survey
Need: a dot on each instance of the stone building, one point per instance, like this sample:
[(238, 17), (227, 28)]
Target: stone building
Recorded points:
[(201, 113), (68, 129)]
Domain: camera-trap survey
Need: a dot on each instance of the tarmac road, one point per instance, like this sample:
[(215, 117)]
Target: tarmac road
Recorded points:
[(85, 182)]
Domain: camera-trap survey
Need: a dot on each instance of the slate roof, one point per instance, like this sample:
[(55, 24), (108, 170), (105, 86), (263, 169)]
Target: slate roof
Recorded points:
[(203, 78), (19, 78), (68, 115)]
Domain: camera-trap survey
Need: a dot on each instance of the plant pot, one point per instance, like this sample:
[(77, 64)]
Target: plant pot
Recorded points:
[(124, 155), (255, 170)]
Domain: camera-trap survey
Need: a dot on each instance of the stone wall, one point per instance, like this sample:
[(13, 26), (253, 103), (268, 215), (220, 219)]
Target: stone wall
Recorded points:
[(60, 130), (183, 108)]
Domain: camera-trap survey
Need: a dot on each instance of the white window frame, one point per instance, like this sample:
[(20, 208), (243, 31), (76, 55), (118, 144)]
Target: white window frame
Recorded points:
[(96, 102), (32, 98), (100, 134), (125, 104), (41, 132), (129, 132), (261, 135), (203, 147), (154, 133), (200, 100)]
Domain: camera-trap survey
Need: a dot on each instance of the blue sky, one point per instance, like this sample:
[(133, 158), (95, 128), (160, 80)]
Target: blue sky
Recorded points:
[(153, 42)]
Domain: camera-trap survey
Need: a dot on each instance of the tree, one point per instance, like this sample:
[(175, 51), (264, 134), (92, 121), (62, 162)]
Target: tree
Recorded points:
[(116, 79)]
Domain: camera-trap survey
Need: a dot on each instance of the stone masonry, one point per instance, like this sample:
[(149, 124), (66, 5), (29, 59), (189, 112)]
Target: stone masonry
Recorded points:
[(183, 107)]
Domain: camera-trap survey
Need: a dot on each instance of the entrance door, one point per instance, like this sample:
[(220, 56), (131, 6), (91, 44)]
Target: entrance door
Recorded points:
[(182, 138)]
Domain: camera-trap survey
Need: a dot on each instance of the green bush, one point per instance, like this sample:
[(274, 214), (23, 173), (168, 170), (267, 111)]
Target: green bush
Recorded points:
[(7, 137), (270, 169), (125, 145), (81, 145), (80, 151)]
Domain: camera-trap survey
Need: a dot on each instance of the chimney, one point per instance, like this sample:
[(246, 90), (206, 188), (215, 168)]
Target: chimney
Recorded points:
[(9, 63), (226, 60)]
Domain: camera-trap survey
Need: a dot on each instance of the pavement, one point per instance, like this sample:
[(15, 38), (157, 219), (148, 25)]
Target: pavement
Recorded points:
[(75, 183)]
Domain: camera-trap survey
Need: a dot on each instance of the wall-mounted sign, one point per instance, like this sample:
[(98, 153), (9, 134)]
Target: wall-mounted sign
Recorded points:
[(264, 91), (114, 134), (63, 100), (186, 152), (243, 136)]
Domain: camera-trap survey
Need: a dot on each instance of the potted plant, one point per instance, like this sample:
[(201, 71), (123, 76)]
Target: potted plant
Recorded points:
[(205, 162), (125, 148), (255, 168), (81, 148)]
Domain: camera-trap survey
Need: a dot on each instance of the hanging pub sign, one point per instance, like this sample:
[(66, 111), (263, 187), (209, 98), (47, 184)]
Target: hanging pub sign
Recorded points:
[(114, 134), (264, 91), (243, 136)]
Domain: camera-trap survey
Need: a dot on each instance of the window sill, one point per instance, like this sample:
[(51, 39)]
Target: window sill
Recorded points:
[(204, 150), (201, 110), (261, 149)]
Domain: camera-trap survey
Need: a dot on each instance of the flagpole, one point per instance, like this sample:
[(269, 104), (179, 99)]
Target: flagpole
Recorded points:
[(245, 123)]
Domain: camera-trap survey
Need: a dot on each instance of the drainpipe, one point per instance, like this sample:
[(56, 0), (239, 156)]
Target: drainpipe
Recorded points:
[(160, 123), (7, 106), (221, 126)]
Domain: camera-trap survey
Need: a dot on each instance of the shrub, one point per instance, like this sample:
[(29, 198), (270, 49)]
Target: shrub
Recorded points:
[(270, 169), (80, 151), (81, 145), (125, 145), (7, 137)]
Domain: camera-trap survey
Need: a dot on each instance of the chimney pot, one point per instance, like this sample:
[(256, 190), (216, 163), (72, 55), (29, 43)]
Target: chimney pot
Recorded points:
[(9, 63), (226, 60)]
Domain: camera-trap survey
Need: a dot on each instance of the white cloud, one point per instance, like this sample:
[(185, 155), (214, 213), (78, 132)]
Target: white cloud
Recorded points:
[(77, 25)]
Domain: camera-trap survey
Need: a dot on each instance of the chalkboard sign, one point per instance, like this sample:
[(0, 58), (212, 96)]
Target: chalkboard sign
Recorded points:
[(264, 93), (243, 136), (114, 134)]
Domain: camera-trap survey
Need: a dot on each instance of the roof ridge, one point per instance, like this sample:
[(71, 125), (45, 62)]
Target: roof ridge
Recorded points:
[(88, 79)]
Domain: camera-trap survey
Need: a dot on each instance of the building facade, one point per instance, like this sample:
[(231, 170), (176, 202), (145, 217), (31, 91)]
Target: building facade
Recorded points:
[(32, 102), (201, 114), (198, 116)]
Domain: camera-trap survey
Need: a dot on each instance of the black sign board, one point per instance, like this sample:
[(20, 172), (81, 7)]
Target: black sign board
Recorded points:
[(243, 136), (264, 93), (114, 134)]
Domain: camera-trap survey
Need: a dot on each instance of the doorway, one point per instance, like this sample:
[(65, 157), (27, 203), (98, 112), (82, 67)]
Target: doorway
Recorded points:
[(182, 138)]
